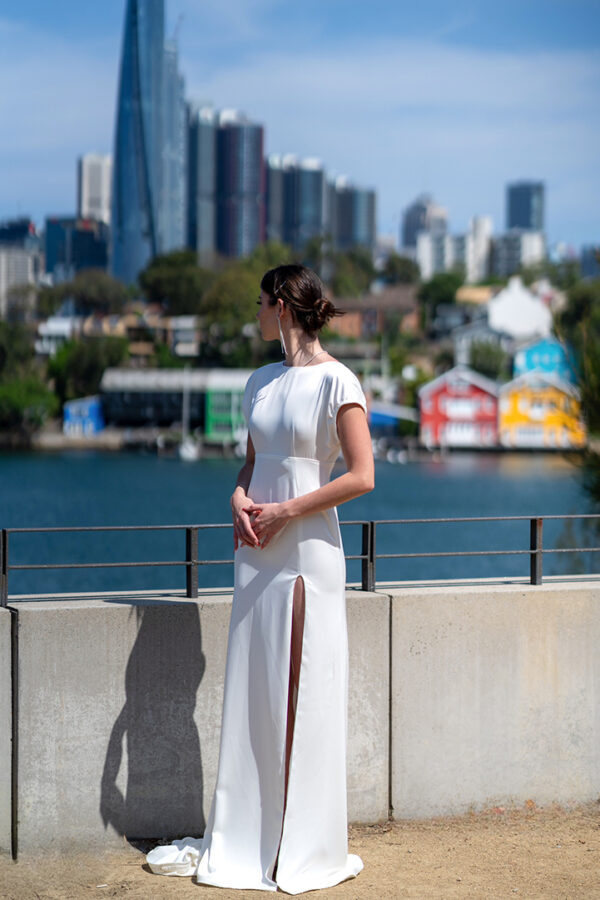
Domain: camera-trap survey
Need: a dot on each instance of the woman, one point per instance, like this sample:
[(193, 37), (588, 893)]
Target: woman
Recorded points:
[(278, 817)]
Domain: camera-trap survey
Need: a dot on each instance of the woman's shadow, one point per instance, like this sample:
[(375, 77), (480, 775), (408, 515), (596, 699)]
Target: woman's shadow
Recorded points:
[(155, 739)]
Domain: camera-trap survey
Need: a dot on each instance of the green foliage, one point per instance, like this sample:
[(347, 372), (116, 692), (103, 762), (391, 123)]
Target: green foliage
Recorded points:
[(579, 325), (164, 359), (400, 270), (92, 290), (177, 282), (441, 288), (490, 360), (563, 275), (25, 402), (78, 366), (353, 272), (16, 350)]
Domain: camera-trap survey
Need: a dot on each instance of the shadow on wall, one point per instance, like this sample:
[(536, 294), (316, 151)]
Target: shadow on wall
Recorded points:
[(152, 783)]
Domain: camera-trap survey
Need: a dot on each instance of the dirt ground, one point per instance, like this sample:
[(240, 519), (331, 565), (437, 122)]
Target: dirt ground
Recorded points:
[(527, 853)]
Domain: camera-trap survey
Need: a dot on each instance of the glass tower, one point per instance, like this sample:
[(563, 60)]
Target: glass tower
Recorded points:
[(139, 135), (525, 205)]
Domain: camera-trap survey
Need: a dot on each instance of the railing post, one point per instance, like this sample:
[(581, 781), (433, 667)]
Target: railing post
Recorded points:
[(191, 558), (368, 554), (4, 568), (536, 547)]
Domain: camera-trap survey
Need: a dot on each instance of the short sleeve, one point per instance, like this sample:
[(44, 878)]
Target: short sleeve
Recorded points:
[(345, 389), (247, 400)]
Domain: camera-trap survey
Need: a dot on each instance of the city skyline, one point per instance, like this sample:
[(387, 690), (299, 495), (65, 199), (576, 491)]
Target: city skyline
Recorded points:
[(459, 108)]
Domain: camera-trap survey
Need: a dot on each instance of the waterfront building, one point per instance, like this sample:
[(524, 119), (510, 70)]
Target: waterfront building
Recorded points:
[(540, 411), (240, 184), (549, 356), (525, 205), (459, 409), (20, 268), (94, 175), (422, 215), (515, 249), (73, 244), (83, 417), (518, 312), (202, 182), (351, 215)]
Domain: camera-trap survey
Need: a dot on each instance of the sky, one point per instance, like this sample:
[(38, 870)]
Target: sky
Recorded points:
[(455, 99)]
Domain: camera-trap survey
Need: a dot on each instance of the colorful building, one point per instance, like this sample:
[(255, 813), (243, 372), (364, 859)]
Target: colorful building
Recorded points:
[(548, 356), (459, 409), (537, 410)]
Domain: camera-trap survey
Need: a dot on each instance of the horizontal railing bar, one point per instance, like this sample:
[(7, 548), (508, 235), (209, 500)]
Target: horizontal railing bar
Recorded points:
[(476, 519), (121, 565), (453, 553), (94, 528)]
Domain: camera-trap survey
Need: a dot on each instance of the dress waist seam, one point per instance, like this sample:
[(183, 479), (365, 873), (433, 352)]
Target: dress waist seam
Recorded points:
[(280, 456)]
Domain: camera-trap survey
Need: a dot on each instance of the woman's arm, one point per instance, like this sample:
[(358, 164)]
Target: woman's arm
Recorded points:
[(269, 518), (242, 529)]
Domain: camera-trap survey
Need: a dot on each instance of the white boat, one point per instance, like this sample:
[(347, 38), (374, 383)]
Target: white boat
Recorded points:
[(189, 449)]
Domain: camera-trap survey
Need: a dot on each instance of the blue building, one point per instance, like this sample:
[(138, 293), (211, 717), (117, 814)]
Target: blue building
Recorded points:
[(202, 182), (351, 215), (83, 417), (148, 207), (72, 244), (548, 356), (240, 185), (525, 205)]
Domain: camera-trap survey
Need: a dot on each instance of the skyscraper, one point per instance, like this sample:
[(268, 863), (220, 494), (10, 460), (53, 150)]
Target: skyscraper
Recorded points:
[(94, 173), (148, 199), (525, 205), (351, 215), (296, 200), (422, 215), (240, 185), (202, 182)]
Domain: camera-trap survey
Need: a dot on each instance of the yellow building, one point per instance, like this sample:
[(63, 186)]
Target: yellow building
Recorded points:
[(540, 411)]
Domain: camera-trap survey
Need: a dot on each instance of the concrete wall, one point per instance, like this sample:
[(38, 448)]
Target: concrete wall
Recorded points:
[(5, 731), (494, 699), (120, 713), (495, 696)]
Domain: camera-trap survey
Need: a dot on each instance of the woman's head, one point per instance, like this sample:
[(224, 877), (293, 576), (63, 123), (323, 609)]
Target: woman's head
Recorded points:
[(301, 291)]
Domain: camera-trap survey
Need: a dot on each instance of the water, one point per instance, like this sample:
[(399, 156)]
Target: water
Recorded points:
[(90, 488)]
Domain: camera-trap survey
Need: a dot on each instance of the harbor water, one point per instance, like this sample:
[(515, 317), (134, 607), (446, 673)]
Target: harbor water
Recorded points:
[(84, 488)]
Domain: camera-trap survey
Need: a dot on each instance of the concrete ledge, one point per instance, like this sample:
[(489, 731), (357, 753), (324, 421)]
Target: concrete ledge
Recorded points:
[(5, 731), (494, 696), (120, 702)]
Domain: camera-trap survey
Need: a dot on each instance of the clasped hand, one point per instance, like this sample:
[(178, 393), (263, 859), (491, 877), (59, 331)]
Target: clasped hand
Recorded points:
[(255, 524)]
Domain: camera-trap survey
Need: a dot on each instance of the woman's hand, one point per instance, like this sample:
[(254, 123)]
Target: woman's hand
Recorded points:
[(267, 519), (243, 533)]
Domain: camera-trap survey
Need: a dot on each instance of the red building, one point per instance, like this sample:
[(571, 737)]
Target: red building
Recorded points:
[(459, 409)]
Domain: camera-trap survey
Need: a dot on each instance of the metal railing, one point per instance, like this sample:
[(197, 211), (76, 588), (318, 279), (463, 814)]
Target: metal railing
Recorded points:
[(368, 555)]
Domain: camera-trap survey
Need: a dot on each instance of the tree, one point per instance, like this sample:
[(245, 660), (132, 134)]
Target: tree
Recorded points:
[(25, 403), (489, 359), (78, 366), (16, 350), (400, 270), (353, 272), (177, 282), (441, 288), (95, 291)]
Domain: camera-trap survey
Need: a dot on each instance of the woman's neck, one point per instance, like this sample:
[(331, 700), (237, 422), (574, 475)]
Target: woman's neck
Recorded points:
[(300, 348)]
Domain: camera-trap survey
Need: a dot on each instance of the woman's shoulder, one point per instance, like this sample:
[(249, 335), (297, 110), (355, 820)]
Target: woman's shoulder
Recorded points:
[(262, 375)]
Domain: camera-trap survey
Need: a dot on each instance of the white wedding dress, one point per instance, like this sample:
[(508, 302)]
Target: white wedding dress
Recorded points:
[(291, 413)]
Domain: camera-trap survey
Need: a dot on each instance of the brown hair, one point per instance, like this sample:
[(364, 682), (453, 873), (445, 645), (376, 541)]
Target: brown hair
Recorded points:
[(301, 290)]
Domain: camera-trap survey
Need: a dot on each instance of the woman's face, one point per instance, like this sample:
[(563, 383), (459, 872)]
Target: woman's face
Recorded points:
[(267, 317)]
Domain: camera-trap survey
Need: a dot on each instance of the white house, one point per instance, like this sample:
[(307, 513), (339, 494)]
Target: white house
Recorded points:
[(519, 313)]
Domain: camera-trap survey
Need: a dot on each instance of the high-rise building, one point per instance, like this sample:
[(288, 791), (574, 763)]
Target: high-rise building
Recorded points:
[(94, 173), (590, 261), (351, 217), (240, 185), (173, 231), (296, 200), (148, 195), (202, 182), (422, 215), (515, 249), (525, 205), (20, 266), (73, 244)]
